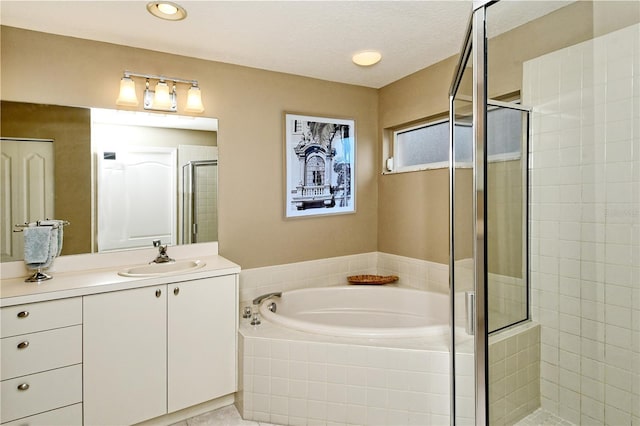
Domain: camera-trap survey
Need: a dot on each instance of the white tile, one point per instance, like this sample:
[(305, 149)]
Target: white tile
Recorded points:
[(297, 407), (336, 374), (280, 368), (279, 405), (356, 414), (336, 393), (317, 372), (336, 412), (376, 377), (279, 387), (298, 370), (317, 391), (317, 410)]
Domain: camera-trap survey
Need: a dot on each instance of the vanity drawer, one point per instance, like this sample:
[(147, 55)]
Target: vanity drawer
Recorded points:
[(35, 352), (37, 393), (66, 416), (40, 316)]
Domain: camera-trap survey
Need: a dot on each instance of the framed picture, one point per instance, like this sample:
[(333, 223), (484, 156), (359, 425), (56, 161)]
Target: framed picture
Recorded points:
[(320, 165)]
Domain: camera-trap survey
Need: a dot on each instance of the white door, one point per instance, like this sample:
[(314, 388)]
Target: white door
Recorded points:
[(26, 191), (137, 198), (201, 340), (125, 356)]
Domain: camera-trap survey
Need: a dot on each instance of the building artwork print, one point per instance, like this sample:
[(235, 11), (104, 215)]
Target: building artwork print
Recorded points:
[(320, 159)]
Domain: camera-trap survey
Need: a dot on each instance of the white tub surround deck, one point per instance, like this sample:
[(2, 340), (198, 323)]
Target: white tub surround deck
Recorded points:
[(295, 378), (291, 376), (369, 355)]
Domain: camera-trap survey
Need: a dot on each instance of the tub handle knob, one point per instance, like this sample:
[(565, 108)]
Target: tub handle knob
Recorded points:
[(255, 320), (246, 312)]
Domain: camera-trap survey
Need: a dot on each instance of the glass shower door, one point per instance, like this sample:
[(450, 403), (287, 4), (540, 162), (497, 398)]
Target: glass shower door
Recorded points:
[(200, 198), (465, 333)]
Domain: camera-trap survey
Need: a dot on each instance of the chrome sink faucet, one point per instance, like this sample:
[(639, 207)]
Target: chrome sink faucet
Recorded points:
[(162, 257)]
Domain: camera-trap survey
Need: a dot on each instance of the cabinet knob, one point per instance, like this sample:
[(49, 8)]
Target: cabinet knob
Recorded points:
[(23, 314), (158, 293), (23, 386), (23, 345), (176, 290)]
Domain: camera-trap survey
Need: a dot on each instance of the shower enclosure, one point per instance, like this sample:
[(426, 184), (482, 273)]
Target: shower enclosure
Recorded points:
[(199, 201), (545, 212)]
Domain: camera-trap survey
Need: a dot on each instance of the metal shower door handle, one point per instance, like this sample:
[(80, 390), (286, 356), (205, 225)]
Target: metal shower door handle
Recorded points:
[(470, 310)]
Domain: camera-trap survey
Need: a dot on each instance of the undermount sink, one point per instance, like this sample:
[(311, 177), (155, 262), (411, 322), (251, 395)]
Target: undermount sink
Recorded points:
[(155, 269)]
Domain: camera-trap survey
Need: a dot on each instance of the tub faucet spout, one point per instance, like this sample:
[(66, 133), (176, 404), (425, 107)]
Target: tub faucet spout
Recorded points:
[(259, 299)]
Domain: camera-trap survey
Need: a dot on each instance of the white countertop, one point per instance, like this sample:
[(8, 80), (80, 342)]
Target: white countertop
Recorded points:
[(101, 275)]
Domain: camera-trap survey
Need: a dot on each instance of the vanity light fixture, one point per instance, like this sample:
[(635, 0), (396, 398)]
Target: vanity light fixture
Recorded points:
[(167, 10), (127, 96), (163, 96), (366, 58)]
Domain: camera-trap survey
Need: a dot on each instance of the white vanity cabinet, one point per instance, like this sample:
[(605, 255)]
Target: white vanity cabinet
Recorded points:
[(154, 350), (41, 363)]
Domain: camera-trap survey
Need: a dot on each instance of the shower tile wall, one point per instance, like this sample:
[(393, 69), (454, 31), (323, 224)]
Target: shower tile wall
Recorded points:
[(585, 226), (206, 200)]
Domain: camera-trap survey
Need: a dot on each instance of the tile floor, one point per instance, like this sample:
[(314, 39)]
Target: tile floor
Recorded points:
[(225, 416), (228, 416), (541, 417)]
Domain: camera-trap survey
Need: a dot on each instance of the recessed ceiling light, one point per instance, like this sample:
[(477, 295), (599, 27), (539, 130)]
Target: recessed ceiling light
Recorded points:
[(167, 10), (367, 58)]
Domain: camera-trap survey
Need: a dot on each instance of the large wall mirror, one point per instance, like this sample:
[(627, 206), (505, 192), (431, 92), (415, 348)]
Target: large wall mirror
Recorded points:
[(121, 178)]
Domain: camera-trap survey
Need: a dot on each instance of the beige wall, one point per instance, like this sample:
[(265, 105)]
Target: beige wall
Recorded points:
[(71, 132), (424, 94), (43, 68), (403, 214)]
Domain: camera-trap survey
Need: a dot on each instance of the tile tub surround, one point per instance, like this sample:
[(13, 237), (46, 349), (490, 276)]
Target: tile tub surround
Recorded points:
[(296, 378), (289, 377), (413, 273)]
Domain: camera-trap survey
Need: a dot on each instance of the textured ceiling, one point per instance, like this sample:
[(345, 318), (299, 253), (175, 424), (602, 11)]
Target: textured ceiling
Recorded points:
[(309, 38)]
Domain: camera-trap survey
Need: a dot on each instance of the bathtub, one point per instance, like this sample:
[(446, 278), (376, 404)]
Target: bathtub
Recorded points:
[(360, 311), (368, 355)]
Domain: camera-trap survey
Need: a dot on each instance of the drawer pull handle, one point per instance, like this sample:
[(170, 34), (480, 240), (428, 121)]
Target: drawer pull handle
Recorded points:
[(23, 314), (176, 290), (23, 345), (23, 386), (158, 293)]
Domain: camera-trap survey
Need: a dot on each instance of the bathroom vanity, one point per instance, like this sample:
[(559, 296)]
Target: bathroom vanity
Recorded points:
[(94, 347)]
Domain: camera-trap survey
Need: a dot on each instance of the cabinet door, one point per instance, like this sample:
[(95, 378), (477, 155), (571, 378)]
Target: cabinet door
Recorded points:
[(125, 355), (202, 340)]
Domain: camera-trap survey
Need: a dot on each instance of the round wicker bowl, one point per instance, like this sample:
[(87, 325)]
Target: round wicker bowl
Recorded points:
[(372, 279)]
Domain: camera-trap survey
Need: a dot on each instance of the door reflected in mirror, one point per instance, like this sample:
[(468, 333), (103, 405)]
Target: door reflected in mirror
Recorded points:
[(119, 177)]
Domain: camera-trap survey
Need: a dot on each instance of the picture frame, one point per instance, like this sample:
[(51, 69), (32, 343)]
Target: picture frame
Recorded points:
[(319, 165)]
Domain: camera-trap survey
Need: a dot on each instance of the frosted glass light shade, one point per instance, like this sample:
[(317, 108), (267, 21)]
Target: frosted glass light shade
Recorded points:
[(162, 98), (127, 95), (194, 100), (367, 58)]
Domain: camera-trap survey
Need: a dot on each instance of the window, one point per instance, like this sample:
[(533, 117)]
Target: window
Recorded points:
[(427, 146)]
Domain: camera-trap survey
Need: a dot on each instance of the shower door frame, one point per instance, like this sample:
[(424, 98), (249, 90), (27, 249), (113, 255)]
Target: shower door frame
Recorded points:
[(189, 224), (473, 49)]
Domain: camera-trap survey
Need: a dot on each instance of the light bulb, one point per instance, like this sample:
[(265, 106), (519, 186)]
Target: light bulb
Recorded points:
[(162, 98), (194, 100), (167, 8), (127, 96)]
